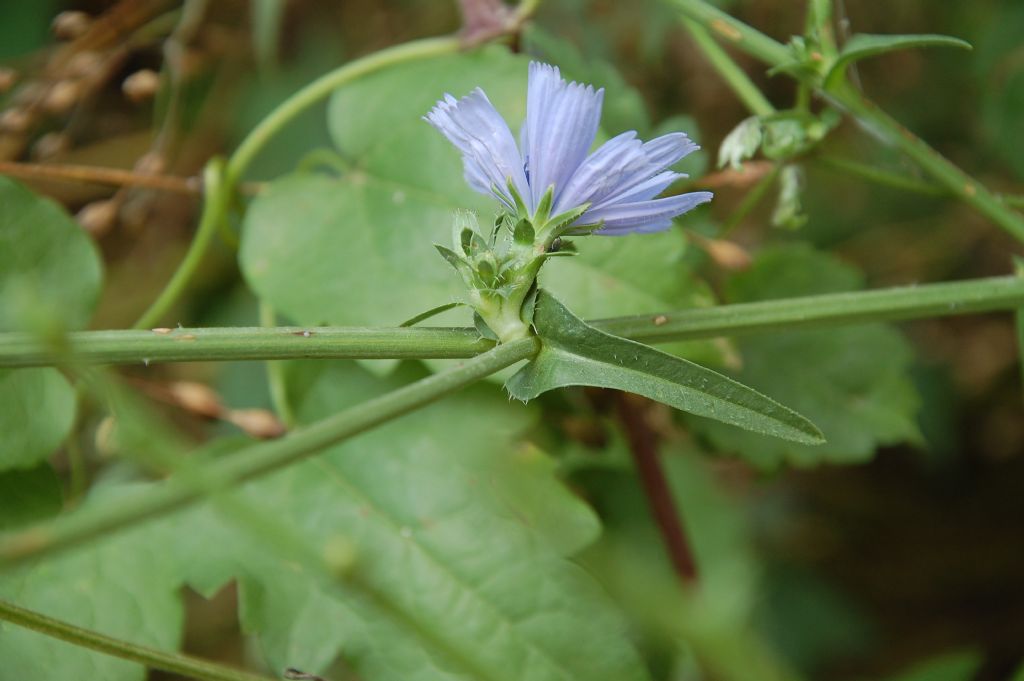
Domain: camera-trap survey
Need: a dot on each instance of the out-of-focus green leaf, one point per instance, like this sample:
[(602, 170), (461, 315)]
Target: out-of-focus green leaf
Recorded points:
[(707, 625), (573, 353), (125, 586), (955, 666), (863, 45), (465, 533), (853, 382), (49, 282), (49, 270), (37, 414), (27, 496), (26, 26)]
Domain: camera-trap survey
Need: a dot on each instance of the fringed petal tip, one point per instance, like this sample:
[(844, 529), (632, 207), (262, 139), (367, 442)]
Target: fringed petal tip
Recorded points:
[(489, 153)]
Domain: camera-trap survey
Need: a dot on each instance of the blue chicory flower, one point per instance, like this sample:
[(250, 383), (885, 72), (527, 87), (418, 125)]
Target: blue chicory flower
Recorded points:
[(619, 180)]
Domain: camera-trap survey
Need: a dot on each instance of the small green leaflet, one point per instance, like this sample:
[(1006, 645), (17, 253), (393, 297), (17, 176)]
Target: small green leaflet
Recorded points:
[(573, 353), (863, 45)]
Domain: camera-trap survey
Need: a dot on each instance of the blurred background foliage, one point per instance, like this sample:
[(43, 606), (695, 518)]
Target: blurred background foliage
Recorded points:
[(893, 552)]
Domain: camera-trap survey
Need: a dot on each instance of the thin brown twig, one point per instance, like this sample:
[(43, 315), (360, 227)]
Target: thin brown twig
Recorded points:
[(115, 177), (99, 175), (643, 445)]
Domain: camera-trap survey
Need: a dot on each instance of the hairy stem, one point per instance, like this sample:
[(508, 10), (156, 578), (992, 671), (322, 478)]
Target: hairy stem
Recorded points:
[(873, 119), (258, 459), (152, 658), (240, 343)]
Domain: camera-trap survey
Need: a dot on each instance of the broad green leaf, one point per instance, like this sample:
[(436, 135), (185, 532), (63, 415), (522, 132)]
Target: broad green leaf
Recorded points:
[(464, 532), (28, 496), (573, 353), (863, 45), (49, 269), (49, 281), (358, 248), (125, 586), (37, 414), (853, 382)]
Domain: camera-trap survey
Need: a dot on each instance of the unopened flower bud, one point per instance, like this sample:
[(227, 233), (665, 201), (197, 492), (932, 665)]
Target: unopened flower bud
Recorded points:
[(197, 398), (141, 85), (70, 25)]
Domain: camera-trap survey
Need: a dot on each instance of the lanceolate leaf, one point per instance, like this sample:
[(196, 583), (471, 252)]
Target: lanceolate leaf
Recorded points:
[(573, 353), (863, 45)]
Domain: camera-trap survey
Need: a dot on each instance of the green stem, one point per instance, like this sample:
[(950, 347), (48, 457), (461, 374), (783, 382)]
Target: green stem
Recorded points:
[(733, 31), (883, 177), (875, 120), (173, 663), (216, 199), (276, 383), (323, 87), (956, 181), (221, 179), (855, 307), (258, 459), (244, 343), (193, 345), (737, 79)]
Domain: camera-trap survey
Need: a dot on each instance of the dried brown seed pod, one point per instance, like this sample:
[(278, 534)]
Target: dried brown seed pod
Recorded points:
[(256, 422), (98, 217), (70, 25), (141, 85), (62, 96), (197, 398)]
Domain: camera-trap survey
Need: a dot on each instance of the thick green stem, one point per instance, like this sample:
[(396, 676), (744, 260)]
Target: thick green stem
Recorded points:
[(875, 120), (905, 302), (192, 345), (244, 343), (173, 663), (258, 459)]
